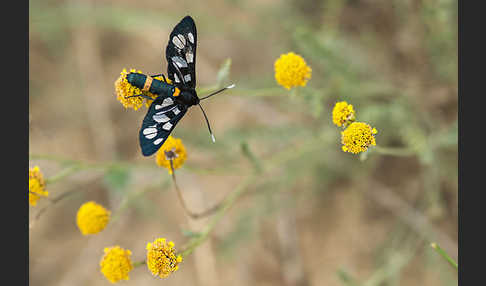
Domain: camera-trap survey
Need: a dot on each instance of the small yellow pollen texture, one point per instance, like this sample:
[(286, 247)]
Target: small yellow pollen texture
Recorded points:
[(343, 114), (37, 186), (172, 146), (357, 137), (124, 90), (161, 258), (291, 70), (92, 218), (116, 264)]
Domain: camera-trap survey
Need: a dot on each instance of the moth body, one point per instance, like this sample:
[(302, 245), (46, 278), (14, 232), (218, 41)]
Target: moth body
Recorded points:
[(188, 97), (150, 84)]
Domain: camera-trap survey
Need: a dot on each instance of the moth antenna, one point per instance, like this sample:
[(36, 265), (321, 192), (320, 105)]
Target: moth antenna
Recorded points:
[(218, 91), (207, 121)]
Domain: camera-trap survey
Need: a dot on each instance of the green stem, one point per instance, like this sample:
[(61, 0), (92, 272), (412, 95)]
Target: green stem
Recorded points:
[(193, 215), (394, 151), (444, 254), (132, 197), (346, 278), (277, 160), (226, 205), (138, 263), (125, 164), (64, 173), (53, 202)]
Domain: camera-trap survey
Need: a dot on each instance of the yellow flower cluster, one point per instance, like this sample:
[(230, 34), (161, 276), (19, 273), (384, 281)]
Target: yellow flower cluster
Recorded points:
[(37, 186), (343, 114), (124, 89), (172, 149), (291, 70), (92, 218), (161, 258), (116, 264), (358, 137)]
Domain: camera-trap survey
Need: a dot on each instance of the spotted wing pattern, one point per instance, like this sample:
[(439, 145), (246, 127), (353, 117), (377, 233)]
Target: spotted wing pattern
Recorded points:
[(162, 117), (181, 53)]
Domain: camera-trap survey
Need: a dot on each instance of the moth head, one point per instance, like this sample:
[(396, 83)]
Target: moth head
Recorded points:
[(188, 97)]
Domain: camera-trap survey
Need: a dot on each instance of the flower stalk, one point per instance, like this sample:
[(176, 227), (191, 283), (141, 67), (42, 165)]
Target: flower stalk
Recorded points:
[(394, 151), (183, 203), (226, 205), (139, 263), (444, 254)]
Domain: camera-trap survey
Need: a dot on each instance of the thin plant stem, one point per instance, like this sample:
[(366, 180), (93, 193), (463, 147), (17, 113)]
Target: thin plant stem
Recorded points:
[(138, 263), (232, 197), (444, 254), (137, 165), (181, 199), (62, 174), (53, 202), (226, 205), (128, 199), (394, 151), (346, 278)]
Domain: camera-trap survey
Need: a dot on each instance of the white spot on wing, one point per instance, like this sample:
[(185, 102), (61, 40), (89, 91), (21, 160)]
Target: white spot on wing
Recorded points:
[(176, 78), (161, 118), (176, 111), (191, 37), (157, 142), (150, 136), (177, 42), (180, 62), (168, 101), (187, 77), (183, 40), (149, 130), (189, 57), (157, 107), (167, 126)]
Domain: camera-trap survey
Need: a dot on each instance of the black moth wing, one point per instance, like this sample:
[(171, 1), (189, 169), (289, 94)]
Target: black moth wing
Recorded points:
[(161, 118), (181, 54)]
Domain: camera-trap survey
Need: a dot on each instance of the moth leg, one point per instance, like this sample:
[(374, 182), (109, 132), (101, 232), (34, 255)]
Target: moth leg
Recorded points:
[(142, 95), (163, 76)]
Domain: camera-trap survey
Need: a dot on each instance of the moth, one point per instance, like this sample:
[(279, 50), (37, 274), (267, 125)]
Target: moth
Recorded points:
[(174, 99)]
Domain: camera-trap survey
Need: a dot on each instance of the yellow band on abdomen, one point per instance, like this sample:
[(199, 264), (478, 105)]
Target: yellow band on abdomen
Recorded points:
[(148, 83)]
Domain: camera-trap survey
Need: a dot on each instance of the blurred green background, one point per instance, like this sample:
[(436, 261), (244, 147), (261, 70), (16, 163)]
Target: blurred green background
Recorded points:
[(319, 216)]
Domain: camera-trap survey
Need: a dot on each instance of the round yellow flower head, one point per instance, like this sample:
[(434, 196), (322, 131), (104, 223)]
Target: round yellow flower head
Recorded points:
[(124, 90), (116, 264), (37, 186), (92, 218), (358, 137), (291, 70), (172, 149), (161, 258), (343, 114)]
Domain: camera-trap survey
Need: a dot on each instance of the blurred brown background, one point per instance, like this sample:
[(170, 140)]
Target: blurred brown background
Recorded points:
[(322, 218)]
